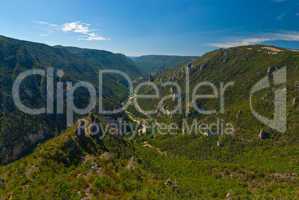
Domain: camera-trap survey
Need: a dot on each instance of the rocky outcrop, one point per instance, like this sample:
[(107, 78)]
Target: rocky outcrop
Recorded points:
[(228, 196), (270, 71), (225, 56), (142, 128), (190, 65), (170, 183)]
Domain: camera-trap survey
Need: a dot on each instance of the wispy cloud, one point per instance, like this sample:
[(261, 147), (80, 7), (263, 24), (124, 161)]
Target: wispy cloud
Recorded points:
[(284, 36), (46, 23), (241, 42), (82, 29)]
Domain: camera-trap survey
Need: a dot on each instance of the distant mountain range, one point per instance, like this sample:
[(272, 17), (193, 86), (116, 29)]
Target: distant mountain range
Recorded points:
[(157, 63)]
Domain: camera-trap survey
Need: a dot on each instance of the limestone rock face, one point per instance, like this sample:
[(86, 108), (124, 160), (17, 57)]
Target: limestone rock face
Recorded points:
[(225, 56), (270, 70), (190, 65), (229, 196)]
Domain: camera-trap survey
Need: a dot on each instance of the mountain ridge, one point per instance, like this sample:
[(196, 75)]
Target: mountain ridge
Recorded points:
[(16, 56), (157, 63)]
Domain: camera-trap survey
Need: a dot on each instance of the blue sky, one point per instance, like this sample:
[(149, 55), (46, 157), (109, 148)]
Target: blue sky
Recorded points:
[(140, 27)]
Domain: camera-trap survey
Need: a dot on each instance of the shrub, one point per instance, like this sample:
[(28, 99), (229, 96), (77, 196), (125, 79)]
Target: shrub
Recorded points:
[(102, 183)]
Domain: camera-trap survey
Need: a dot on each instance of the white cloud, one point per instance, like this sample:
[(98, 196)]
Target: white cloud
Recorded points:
[(82, 29), (241, 42), (291, 36), (76, 27), (284, 36), (94, 36)]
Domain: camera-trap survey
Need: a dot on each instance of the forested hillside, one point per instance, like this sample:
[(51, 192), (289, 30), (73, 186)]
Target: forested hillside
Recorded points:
[(19, 132)]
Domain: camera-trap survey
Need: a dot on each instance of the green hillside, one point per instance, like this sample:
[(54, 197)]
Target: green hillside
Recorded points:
[(166, 167), (174, 165), (244, 67), (238, 166), (20, 132), (68, 167)]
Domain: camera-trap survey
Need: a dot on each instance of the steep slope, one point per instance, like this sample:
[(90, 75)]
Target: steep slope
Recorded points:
[(19, 132), (244, 67), (238, 166), (105, 59), (168, 167), (68, 167), (156, 63)]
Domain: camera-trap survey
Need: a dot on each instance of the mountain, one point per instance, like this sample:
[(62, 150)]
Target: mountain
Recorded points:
[(20, 132), (105, 59), (256, 161), (176, 165), (157, 63), (244, 67)]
